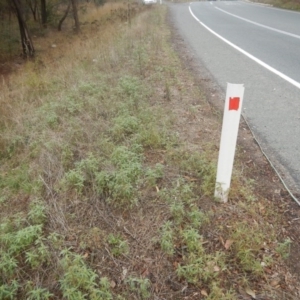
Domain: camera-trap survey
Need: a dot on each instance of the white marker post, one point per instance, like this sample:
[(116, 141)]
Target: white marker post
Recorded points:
[(230, 127)]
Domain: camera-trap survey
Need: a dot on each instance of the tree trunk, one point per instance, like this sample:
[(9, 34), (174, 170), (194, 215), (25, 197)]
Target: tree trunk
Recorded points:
[(63, 17), (44, 13), (33, 7), (27, 45), (75, 14)]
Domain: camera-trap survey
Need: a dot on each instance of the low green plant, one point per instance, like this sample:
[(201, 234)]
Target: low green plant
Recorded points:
[(192, 270), (36, 214), (73, 105), (198, 164), (201, 267), (248, 242), (123, 155), (196, 217), (84, 174), (5, 226), (130, 86), (38, 255), (90, 89), (88, 166), (38, 294), (56, 240), (123, 187), (8, 265), (103, 291), (78, 281), (9, 291), (193, 240), (182, 191), (18, 179), (151, 138), (120, 185), (2, 198), (177, 211), (166, 239), (284, 248), (140, 285), (216, 293), (154, 174), (15, 242), (52, 119), (124, 125), (117, 244), (74, 179)]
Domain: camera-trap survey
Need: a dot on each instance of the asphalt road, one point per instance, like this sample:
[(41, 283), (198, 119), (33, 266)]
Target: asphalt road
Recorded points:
[(259, 46)]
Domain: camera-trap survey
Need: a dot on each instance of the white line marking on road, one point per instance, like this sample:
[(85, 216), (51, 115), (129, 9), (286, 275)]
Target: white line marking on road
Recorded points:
[(259, 24), (260, 62)]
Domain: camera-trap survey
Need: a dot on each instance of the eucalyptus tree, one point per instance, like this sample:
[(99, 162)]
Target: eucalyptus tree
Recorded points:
[(44, 13), (26, 41), (75, 14)]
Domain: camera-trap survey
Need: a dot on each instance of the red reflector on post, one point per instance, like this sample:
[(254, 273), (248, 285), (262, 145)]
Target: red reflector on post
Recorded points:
[(234, 103)]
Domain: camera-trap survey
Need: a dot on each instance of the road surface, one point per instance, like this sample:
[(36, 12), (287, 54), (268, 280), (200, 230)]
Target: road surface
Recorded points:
[(259, 46)]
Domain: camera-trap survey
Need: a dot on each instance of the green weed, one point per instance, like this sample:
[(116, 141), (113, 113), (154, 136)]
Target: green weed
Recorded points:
[(18, 179), (152, 137), (177, 211), (38, 293), (140, 285), (82, 175), (8, 265), (193, 240), (117, 244), (153, 175), (124, 126), (74, 179), (3, 199), (15, 242), (167, 237), (198, 164), (120, 186), (130, 89), (196, 217), (79, 281), (90, 89), (9, 291), (38, 255), (217, 292), (36, 214), (201, 267), (284, 248), (248, 243)]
